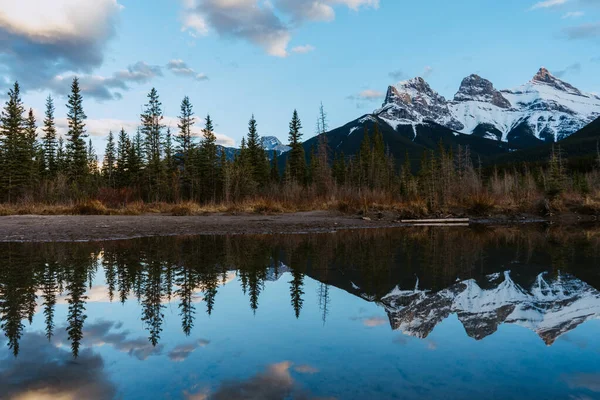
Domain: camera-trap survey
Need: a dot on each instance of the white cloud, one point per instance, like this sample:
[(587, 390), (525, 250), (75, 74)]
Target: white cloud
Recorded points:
[(548, 4), (427, 71), (573, 14), (180, 68), (303, 49), (371, 94), (42, 39), (267, 24)]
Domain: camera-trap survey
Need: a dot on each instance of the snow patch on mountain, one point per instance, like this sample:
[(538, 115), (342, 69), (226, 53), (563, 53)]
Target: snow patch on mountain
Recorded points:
[(271, 143), (549, 108), (550, 307)]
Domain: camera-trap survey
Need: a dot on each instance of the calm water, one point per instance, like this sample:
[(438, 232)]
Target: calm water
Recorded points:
[(395, 314)]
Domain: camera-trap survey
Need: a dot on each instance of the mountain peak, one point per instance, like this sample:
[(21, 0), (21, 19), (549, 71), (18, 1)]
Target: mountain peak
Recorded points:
[(476, 88), (544, 77)]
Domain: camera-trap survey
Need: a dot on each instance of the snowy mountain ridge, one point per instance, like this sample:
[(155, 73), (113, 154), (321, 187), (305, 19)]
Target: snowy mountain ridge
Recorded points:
[(550, 307), (544, 109)]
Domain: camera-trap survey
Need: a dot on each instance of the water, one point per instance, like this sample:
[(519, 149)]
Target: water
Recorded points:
[(394, 314)]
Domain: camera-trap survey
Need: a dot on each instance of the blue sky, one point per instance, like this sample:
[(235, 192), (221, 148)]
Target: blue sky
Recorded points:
[(239, 57)]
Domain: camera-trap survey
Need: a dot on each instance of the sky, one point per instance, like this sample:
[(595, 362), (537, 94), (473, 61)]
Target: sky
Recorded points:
[(236, 58)]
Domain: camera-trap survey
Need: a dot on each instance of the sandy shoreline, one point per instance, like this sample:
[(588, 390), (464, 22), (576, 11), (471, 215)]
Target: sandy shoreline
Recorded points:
[(67, 228)]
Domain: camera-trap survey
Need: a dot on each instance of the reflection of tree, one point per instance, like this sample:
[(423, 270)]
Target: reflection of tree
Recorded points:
[(186, 286), (366, 263), (49, 290), (296, 291), (152, 306), (76, 289)]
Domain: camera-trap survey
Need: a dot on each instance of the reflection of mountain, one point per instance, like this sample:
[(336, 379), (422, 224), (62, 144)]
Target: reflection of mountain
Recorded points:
[(550, 307)]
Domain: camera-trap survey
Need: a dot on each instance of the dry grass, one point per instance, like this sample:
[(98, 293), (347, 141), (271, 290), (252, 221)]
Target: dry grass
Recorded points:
[(342, 200)]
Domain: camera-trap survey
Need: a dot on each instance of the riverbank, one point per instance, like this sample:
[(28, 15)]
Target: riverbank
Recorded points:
[(67, 228)]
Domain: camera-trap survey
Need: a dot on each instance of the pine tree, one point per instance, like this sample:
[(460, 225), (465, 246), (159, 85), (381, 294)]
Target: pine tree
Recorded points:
[(208, 161), (185, 147), (77, 158), (152, 128), (49, 141), (274, 174), (92, 159), (61, 157), (14, 141), (322, 124), (31, 151), (122, 167), (297, 159), (110, 159), (256, 153)]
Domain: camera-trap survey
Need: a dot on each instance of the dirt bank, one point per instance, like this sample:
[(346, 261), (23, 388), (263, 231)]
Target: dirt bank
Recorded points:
[(37, 228)]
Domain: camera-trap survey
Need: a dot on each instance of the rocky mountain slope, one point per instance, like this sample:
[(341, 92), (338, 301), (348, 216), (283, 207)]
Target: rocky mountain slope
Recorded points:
[(550, 307), (545, 109)]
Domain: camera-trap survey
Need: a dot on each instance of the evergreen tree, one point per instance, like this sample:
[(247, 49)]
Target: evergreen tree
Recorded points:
[(185, 146), (297, 159), (208, 161), (274, 175), (257, 158), (122, 167), (77, 158), (61, 156), (14, 145), (30, 158), (49, 141), (92, 159), (110, 159), (152, 128)]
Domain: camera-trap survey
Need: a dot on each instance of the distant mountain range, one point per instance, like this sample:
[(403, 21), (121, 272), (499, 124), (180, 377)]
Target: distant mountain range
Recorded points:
[(498, 126), (270, 144)]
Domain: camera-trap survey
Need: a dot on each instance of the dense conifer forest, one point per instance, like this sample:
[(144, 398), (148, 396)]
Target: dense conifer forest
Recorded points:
[(157, 169)]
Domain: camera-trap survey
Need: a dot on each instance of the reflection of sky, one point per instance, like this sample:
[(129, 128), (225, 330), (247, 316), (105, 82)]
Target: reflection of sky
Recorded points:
[(354, 355)]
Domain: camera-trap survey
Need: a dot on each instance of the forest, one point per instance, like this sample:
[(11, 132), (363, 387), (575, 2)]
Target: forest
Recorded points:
[(158, 170)]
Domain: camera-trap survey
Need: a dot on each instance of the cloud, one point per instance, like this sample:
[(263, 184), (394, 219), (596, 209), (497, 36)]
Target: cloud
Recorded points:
[(397, 75), (573, 68), (573, 14), (183, 351), (306, 369), (583, 31), (276, 382), (180, 68), (427, 71), (303, 49), (99, 127), (41, 40), (367, 94), (590, 382), (548, 4), (43, 371), (105, 88), (265, 24), (375, 321), (107, 333)]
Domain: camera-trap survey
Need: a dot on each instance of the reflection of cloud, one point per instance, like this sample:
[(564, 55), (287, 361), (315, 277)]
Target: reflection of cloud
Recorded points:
[(402, 340), (46, 372), (105, 333), (305, 369), (584, 381), (275, 383), (431, 345), (372, 322), (181, 352)]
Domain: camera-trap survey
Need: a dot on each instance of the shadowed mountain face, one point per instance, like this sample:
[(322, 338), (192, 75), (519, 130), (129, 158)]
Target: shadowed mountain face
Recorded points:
[(549, 307)]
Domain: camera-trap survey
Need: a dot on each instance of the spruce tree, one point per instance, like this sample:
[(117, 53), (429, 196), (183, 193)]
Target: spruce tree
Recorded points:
[(185, 146), (30, 156), (110, 159), (152, 128), (274, 174), (258, 161), (297, 159), (49, 141), (123, 154), (77, 158), (208, 161), (14, 144)]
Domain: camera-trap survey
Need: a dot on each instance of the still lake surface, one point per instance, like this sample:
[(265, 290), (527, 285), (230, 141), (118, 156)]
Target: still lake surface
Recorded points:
[(419, 313)]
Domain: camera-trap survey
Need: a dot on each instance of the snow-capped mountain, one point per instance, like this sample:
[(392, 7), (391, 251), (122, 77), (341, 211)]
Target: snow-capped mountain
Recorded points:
[(550, 307), (544, 109), (271, 143)]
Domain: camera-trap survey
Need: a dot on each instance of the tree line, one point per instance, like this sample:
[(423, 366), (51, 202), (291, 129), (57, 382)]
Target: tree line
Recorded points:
[(156, 164)]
